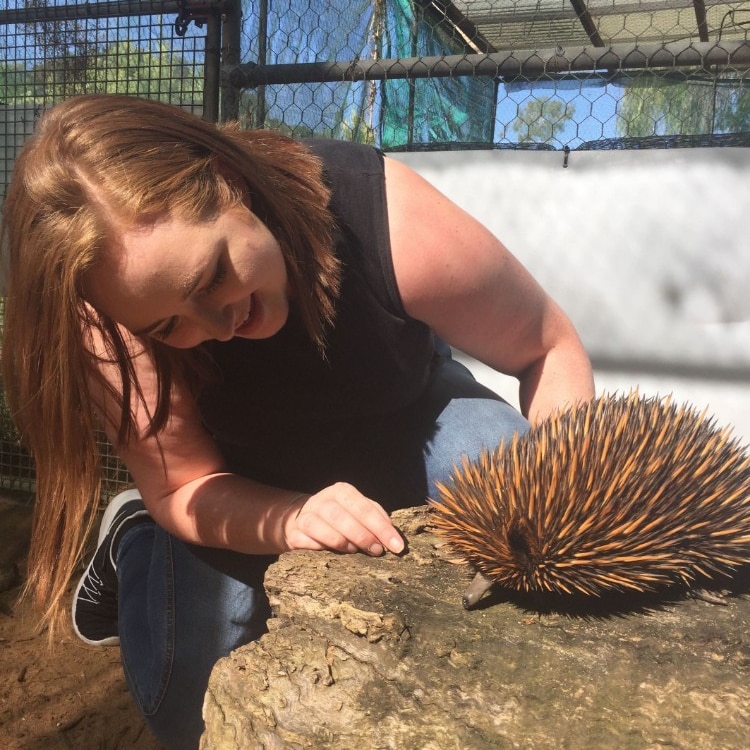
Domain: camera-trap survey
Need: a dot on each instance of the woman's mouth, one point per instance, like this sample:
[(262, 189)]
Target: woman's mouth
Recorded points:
[(247, 322)]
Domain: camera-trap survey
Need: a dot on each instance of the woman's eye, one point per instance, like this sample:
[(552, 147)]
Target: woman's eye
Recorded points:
[(219, 276), (166, 331)]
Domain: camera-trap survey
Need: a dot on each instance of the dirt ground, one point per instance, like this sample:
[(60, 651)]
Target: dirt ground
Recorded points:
[(68, 696)]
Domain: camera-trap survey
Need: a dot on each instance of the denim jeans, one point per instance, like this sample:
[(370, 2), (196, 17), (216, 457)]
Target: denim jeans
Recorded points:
[(182, 607)]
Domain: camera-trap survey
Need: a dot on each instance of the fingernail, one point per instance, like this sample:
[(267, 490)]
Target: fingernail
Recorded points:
[(376, 549), (396, 545)]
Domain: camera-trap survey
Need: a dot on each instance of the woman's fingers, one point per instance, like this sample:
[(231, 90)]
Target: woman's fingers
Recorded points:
[(341, 518)]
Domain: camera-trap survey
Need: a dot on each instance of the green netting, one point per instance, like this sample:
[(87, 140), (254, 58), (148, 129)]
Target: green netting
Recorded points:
[(428, 110)]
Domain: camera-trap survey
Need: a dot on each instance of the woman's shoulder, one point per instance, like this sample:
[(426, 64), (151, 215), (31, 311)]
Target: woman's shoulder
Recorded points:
[(355, 175), (346, 156)]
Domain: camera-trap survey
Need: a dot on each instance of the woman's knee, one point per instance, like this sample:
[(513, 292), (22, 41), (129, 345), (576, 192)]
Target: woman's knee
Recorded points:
[(185, 609), (465, 428)]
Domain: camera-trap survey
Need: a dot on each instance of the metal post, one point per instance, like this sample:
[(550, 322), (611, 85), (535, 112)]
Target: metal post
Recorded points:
[(412, 84), (231, 22), (260, 92), (212, 68)]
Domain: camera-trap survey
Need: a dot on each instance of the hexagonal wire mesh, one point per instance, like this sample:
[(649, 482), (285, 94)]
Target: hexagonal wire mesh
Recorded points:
[(562, 74), (404, 74)]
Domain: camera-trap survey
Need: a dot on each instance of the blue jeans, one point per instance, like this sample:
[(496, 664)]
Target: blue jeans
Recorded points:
[(183, 607)]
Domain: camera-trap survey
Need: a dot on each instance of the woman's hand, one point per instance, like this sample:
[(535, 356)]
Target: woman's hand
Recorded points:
[(183, 480), (342, 519)]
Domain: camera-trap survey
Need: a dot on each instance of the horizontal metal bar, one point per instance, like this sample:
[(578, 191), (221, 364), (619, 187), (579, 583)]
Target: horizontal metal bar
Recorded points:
[(105, 10), (520, 63)]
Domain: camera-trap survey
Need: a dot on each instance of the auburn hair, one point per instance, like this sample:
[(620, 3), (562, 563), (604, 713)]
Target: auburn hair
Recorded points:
[(93, 159)]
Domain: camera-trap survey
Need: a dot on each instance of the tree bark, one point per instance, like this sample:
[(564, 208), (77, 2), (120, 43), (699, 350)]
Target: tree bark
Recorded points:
[(377, 653)]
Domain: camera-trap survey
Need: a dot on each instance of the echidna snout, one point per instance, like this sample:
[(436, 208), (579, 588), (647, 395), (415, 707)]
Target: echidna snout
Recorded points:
[(520, 548), (619, 493)]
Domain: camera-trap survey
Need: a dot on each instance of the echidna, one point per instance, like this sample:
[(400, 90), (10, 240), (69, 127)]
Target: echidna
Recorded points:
[(619, 493)]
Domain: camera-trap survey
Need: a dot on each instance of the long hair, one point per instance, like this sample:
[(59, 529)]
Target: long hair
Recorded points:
[(93, 158)]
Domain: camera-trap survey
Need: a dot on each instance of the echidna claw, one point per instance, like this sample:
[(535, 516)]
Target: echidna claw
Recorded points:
[(477, 589), (712, 597)]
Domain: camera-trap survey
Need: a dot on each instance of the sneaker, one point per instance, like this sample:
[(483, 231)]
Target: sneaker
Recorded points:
[(95, 597)]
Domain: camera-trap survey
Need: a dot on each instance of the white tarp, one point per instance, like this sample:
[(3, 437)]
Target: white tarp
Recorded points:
[(648, 252)]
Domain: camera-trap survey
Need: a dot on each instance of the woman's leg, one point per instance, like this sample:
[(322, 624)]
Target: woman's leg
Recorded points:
[(472, 419), (181, 608), (396, 459), (184, 607)]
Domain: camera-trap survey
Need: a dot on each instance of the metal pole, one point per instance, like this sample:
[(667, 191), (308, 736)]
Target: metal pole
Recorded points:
[(412, 86), (529, 64), (212, 68), (231, 21), (28, 14), (260, 93)]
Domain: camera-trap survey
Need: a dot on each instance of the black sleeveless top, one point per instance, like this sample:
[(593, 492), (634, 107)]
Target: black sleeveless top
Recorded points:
[(377, 357)]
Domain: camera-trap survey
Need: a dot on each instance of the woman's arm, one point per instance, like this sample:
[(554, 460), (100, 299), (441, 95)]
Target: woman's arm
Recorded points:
[(458, 278), (184, 483)]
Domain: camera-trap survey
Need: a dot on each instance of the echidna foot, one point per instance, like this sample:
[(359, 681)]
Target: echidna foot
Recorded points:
[(712, 597), (477, 589)]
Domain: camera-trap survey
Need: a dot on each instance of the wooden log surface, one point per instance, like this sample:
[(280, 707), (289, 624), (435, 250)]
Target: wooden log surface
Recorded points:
[(377, 653)]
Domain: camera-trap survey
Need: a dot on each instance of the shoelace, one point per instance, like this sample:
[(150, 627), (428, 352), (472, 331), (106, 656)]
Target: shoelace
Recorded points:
[(92, 588)]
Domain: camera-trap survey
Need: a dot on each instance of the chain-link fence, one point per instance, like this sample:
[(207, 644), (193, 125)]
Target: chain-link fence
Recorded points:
[(403, 74)]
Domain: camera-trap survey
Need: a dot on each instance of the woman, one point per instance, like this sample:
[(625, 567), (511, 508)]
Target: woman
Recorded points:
[(259, 326)]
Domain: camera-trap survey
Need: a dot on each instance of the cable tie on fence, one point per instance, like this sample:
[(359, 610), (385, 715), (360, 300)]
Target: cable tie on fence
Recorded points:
[(566, 154)]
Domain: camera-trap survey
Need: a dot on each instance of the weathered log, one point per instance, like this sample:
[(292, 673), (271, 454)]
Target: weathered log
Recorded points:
[(377, 653)]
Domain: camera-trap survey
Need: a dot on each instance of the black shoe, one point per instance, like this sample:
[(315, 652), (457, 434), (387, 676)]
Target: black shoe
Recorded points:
[(95, 598)]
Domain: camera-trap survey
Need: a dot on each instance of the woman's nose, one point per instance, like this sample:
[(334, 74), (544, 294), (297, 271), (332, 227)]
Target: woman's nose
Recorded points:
[(218, 322)]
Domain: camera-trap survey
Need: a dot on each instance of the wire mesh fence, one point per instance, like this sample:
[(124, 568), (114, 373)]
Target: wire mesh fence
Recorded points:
[(50, 51), (553, 74), (405, 74), (401, 74)]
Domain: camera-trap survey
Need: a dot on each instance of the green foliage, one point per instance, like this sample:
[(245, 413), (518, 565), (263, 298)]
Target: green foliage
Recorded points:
[(118, 67), (542, 119), (127, 69), (16, 83), (685, 106)]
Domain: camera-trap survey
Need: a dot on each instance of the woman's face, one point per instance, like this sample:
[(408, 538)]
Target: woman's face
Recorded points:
[(185, 283)]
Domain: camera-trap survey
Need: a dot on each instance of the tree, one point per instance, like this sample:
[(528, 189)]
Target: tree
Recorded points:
[(16, 83), (69, 56), (680, 105), (119, 67), (542, 119), (125, 68)]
